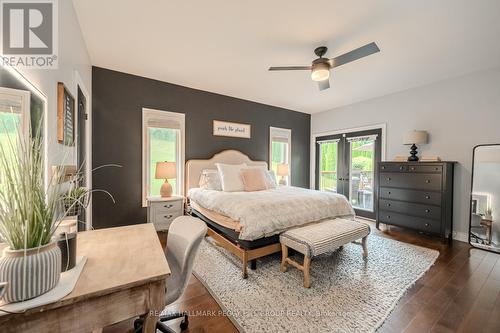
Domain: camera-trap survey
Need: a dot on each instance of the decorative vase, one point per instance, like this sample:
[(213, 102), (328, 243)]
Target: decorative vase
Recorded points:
[(31, 272)]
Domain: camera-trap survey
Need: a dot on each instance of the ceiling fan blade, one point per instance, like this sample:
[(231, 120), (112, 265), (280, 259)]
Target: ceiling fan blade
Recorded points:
[(290, 68), (323, 85), (353, 55)]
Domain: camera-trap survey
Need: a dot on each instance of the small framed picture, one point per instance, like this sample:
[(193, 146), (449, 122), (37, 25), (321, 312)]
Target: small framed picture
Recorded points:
[(236, 130), (65, 116)]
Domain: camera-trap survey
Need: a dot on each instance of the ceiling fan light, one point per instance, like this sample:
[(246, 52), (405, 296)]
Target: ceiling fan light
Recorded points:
[(320, 72)]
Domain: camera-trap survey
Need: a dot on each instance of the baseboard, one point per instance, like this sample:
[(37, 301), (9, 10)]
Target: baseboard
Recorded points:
[(461, 236)]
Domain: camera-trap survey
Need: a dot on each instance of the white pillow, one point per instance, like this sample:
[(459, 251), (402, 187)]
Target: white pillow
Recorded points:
[(271, 179), (230, 177), (210, 180), (270, 176)]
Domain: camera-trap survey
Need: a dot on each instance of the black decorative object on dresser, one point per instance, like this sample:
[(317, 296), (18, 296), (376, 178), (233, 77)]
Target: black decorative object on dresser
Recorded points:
[(417, 195)]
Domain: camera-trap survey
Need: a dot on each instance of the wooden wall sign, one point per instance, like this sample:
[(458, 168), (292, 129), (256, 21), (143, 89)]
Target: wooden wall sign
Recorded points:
[(237, 130), (65, 116)]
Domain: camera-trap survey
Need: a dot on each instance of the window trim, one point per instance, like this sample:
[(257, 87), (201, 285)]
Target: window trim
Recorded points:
[(165, 116), (283, 133)]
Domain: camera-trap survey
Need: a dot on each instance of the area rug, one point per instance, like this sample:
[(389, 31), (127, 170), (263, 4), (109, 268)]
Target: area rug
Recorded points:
[(348, 294)]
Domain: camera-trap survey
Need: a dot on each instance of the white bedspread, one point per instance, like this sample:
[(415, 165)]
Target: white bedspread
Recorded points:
[(269, 212)]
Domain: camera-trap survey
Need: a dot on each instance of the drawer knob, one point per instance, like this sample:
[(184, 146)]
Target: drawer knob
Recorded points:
[(427, 196), (412, 168), (168, 216), (427, 210), (389, 193), (168, 206), (383, 167), (401, 168), (427, 224), (388, 178), (428, 181), (388, 216), (388, 205), (437, 169)]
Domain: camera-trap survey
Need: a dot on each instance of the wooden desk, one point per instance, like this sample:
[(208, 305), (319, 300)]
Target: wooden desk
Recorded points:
[(124, 277), (487, 223)]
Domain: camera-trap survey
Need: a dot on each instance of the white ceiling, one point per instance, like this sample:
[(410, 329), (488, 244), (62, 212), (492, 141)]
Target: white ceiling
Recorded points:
[(227, 46)]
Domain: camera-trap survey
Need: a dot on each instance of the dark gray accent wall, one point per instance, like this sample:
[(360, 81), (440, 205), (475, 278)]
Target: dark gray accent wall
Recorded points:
[(117, 102)]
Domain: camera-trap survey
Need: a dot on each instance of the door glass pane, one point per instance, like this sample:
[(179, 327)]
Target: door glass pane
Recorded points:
[(361, 175), (328, 166), (163, 145)]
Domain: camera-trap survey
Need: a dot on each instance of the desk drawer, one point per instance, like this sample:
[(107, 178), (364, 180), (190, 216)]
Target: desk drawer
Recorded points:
[(425, 211), (424, 197), (417, 181), (416, 223)]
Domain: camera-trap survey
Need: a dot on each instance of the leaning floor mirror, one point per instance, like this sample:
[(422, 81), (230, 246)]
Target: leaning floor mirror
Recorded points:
[(484, 230)]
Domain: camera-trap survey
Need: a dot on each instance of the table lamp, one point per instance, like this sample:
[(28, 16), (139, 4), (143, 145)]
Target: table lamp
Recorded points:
[(166, 170), (283, 171), (413, 138)]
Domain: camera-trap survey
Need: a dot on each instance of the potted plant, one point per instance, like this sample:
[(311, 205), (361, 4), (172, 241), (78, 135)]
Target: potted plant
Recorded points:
[(76, 199), (488, 214), (30, 211)]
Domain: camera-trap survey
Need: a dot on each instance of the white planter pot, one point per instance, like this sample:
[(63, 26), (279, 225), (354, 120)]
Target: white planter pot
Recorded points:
[(30, 273)]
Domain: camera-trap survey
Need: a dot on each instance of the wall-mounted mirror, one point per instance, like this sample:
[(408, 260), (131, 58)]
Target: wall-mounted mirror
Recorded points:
[(484, 230)]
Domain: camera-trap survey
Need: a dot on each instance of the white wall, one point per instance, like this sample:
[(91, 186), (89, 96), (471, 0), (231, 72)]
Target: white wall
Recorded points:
[(458, 114), (73, 56)]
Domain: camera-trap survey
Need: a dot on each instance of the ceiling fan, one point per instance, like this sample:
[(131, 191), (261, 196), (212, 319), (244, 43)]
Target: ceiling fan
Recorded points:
[(320, 67)]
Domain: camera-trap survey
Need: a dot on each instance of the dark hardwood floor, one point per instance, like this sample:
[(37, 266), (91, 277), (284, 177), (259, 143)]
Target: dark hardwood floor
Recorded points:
[(460, 293)]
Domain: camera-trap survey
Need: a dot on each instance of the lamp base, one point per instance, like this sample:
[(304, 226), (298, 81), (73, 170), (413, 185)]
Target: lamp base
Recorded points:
[(282, 181), (413, 154), (166, 189)]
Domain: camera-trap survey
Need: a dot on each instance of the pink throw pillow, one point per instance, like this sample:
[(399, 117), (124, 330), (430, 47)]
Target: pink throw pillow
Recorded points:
[(254, 179)]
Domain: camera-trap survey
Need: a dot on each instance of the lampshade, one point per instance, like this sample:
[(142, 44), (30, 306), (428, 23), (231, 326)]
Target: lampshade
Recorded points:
[(165, 170), (320, 72), (283, 170), (415, 137)]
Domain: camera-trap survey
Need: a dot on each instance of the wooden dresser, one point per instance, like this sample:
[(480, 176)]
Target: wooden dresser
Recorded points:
[(417, 195)]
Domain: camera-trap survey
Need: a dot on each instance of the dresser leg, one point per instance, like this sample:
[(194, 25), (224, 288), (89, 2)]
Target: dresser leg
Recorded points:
[(377, 224)]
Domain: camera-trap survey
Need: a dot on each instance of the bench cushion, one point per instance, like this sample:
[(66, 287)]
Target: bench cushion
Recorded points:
[(325, 236)]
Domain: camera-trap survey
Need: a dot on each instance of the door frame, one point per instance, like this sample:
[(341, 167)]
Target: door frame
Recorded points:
[(88, 143), (312, 166)]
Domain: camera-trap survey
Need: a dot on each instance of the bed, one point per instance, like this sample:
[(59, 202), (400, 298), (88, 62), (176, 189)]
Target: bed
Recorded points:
[(248, 224)]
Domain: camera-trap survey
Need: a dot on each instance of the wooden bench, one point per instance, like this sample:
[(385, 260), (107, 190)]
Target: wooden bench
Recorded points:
[(318, 238)]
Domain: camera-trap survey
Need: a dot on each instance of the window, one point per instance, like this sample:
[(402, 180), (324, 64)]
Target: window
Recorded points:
[(163, 140), (280, 142), (14, 117)]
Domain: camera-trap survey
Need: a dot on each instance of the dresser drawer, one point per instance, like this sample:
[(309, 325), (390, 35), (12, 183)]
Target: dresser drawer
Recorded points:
[(416, 223), (393, 167), (425, 197), (425, 211), (167, 207), (418, 181), (162, 221), (425, 168)]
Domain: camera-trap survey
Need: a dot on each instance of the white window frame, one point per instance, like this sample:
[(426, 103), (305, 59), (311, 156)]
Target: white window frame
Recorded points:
[(286, 134), (159, 116)]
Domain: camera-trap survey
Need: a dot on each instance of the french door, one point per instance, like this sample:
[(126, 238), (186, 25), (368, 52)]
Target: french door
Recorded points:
[(346, 163)]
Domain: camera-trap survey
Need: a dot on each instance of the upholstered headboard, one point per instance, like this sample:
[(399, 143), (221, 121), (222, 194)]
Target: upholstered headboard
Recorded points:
[(195, 167)]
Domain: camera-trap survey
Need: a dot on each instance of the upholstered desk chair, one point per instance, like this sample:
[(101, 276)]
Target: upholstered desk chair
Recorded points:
[(185, 235)]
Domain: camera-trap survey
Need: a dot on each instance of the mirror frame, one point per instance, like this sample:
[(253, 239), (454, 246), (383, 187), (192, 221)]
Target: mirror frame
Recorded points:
[(470, 197)]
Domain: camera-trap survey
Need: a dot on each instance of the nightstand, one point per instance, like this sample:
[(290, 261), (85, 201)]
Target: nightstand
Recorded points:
[(162, 211)]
